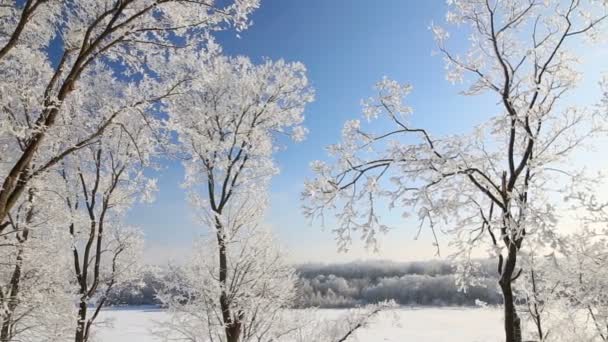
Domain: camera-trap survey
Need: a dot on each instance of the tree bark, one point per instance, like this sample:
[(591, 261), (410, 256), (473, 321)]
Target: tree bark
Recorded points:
[(12, 297), (5, 333), (512, 322), (7, 321), (232, 326), (233, 332), (81, 333)]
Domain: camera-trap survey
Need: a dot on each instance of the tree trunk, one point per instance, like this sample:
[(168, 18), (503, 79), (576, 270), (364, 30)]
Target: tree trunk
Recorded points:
[(233, 332), (231, 323), (5, 332), (81, 333), (512, 323)]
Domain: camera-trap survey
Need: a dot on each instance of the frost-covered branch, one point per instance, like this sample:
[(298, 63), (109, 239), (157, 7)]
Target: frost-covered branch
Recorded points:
[(490, 188)]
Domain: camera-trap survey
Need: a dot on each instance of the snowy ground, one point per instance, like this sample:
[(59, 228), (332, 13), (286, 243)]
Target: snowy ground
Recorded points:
[(406, 324)]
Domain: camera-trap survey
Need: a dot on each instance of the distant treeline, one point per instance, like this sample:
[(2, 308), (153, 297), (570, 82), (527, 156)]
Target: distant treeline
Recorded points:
[(412, 283), (356, 283)]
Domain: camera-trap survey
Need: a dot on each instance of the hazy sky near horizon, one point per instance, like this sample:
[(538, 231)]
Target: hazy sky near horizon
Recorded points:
[(346, 46)]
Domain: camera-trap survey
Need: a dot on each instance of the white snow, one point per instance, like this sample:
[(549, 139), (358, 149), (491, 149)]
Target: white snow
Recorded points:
[(402, 324), (435, 325)]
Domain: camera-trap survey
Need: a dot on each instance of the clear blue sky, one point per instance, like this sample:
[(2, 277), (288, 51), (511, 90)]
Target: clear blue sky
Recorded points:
[(347, 45)]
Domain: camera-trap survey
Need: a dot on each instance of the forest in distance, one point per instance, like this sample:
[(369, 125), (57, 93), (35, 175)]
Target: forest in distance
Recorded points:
[(236, 134), (355, 284)]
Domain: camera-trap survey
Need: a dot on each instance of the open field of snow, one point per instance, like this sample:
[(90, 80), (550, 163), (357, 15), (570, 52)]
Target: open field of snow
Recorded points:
[(398, 325)]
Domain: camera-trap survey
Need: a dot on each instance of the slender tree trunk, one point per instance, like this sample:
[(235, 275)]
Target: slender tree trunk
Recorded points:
[(536, 314), (81, 333), (5, 331), (512, 323), (7, 321), (232, 326)]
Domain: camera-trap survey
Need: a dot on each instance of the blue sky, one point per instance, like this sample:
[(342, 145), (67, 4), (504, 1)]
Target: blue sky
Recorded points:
[(347, 45)]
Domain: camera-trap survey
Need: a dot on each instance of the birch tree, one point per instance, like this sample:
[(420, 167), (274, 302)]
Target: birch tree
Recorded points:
[(491, 189)]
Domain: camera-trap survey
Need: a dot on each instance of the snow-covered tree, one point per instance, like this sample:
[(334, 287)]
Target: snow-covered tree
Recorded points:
[(227, 124), (260, 284), (582, 281), (21, 23), (101, 182), (35, 294), (537, 294), (76, 75), (562, 294), (491, 189), (264, 292), (97, 55)]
